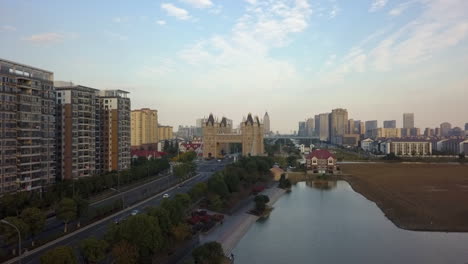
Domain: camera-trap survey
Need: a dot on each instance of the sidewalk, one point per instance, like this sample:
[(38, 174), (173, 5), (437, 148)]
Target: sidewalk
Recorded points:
[(236, 226)]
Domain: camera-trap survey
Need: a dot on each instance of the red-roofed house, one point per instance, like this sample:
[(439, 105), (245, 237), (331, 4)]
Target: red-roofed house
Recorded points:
[(321, 161)]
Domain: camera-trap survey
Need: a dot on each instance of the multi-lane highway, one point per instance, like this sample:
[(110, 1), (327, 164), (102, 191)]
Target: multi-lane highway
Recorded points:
[(204, 170)]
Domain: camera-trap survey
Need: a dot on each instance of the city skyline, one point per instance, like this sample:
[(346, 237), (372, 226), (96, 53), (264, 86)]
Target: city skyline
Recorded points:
[(405, 50)]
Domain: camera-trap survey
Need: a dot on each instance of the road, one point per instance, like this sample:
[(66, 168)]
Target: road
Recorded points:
[(204, 170)]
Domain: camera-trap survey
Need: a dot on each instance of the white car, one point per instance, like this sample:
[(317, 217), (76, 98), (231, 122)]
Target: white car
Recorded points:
[(135, 212), (166, 195)]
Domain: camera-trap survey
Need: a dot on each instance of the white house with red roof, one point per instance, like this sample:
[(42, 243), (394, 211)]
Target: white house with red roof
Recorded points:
[(321, 161)]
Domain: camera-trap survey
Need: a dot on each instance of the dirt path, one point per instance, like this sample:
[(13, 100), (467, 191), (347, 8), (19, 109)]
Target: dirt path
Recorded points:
[(430, 197)]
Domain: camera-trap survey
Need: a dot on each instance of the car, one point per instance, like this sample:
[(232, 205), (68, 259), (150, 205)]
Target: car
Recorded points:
[(219, 160), (166, 195), (135, 212), (118, 220)]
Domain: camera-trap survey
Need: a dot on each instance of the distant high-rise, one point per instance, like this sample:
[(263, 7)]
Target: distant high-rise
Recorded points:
[(317, 125), (77, 114), (408, 120), (351, 129), (27, 127), (115, 109), (466, 126), (429, 132), (310, 127), (323, 121), (445, 129), (144, 127), (266, 123), (166, 132), (338, 125), (302, 131), (371, 125), (389, 124)]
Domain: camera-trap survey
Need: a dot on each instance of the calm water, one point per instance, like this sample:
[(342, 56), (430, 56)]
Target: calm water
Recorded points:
[(338, 225)]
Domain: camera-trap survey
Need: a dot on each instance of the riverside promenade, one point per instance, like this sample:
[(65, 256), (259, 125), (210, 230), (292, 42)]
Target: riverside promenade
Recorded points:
[(236, 225)]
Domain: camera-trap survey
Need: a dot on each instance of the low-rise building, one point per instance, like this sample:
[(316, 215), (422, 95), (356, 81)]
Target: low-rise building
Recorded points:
[(406, 147), (366, 144), (449, 146), (321, 161)]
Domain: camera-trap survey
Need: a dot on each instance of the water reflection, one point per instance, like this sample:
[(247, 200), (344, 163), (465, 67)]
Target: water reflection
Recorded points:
[(326, 185)]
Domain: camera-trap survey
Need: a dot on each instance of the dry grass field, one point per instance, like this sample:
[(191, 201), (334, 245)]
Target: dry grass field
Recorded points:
[(414, 196)]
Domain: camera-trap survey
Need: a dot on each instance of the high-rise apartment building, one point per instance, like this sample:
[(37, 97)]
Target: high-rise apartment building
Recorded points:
[(445, 129), (429, 132), (466, 126), (317, 125), (77, 114), (389, 124), (359, 127), (166, 133), (324, 134), (144, 127), (27, 127), (408, 120), (115, 118), (266, 123), (338, 125)]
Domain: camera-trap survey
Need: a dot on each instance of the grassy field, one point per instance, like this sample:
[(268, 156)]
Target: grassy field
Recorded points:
[(415, 196)]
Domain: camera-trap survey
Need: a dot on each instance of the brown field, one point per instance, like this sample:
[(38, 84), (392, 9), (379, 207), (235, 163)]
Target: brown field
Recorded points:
[(431, 197)]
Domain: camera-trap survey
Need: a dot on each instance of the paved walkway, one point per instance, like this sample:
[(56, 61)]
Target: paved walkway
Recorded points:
[(236, 226)]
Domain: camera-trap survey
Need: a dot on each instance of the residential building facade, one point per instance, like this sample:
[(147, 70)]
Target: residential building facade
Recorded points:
[(445, 129), (165, 132), (144, 127), (27, 127), (321, 161), (77, 110), (338, 125), (389, 124), (324, 131), (408, 120), (116, 132), (406, 147)]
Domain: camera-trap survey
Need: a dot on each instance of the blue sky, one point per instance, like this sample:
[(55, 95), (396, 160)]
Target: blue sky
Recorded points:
[(294, 58)]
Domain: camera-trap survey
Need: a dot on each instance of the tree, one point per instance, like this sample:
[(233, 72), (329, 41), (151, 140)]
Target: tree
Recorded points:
[(260, 202), (181, 232), (82, 207), (208, 253), (10, 233), (59, 255), (125, 253), (143, 232), (217, 185), (66, 211), (216, 204), (163, 217), (198, 191), (93, 250), (232, 180), (35, 219)]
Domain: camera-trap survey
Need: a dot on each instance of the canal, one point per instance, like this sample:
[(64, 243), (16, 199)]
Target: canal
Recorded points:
[(334, 224)]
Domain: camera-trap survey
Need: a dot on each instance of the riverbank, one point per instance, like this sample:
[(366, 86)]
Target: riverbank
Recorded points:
[(422, 197), (236, 225)]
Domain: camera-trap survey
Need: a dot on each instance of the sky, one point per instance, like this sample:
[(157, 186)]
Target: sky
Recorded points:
[(292, 58)]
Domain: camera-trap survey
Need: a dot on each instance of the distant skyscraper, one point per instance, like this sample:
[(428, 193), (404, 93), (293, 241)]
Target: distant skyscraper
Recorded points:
[(338, 125), (317, 124), (310, 127), (323, 133), (371, 125), (266, 123), (445, 129), (429, 132), (437, 132), (351, 129), (389, 124), (408, 120), (466, 126), (302, 131)]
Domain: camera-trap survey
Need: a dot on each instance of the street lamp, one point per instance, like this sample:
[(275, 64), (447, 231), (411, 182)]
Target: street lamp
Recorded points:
[(19, 236)]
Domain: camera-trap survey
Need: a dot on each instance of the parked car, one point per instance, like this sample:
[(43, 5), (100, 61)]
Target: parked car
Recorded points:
[(135, 212), (166, 195)]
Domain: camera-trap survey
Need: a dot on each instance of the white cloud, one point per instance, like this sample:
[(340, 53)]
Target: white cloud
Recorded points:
[(334, 12), (199, 3), (7, 28), (441, 25), (161, 22), (252, 2), (45, 37), (377, 4), (398, 10), (117, 36), (175, 11)]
